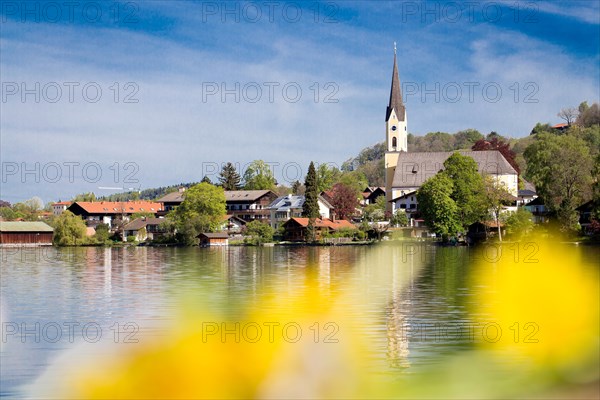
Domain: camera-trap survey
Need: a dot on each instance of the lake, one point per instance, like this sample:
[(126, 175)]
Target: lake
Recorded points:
[(415, 299)]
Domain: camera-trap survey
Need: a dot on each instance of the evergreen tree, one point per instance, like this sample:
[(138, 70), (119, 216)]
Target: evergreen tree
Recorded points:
[(206, 179), (229, 178), (296, 187), (310, 208)]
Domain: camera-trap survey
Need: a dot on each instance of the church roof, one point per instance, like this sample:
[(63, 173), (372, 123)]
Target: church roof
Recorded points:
[(395, 95), (413, 169)]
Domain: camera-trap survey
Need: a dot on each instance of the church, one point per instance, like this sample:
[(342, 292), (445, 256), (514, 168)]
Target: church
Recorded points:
[(405, 172)]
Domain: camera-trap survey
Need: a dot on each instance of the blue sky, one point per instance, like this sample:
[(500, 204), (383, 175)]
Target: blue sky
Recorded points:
[(161, 66)]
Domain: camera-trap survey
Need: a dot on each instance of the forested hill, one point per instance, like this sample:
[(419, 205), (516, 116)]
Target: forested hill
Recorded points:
[(146, 194)]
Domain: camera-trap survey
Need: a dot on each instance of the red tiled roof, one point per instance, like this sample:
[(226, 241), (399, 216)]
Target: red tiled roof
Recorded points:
[(118, 207), (62, 203), (557, 126), (326, 223)]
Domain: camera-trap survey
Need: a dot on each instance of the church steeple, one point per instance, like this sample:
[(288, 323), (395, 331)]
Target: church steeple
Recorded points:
[(395, 94)]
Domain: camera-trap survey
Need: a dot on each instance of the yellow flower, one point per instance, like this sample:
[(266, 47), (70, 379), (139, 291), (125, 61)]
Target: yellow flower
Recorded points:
[(539, 305)]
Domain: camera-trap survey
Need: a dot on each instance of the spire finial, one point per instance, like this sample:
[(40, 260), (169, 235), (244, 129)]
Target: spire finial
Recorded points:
[(394, 48)]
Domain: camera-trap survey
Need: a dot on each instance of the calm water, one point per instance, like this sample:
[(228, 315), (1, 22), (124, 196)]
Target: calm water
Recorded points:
[(415, 298)]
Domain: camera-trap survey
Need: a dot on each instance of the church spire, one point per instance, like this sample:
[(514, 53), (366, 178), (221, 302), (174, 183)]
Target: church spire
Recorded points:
[(395, 94)]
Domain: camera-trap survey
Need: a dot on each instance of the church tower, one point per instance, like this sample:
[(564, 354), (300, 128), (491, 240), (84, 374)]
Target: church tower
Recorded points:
[(396, 133)]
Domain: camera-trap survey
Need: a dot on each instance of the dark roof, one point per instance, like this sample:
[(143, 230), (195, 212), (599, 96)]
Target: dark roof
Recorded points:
[(140, 223), (12, 226), (538, 201), (395, 95), (173, 197), (413, 169), (214, 235), (526, 192), (246, 195), (409, 193)]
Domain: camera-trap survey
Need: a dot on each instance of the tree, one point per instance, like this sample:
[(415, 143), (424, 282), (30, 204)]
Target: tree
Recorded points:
[(202, 210), (519, 223), (343, 200), (496, 198), (69, 230), (102, 233), (310, 208), (326, 176), (467, 188), (297, 188), (541, 128), (206, 179), (568, 114), (501, 146), (560, 167), (376, 211), (466, 138), (34, 205), (437, 207), (84, 197), (229, 178), (588, 115), (259, 232), (399, 218), (9, 214), (259, 176)]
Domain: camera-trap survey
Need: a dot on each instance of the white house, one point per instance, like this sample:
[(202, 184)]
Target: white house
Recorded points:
[(285, 207)]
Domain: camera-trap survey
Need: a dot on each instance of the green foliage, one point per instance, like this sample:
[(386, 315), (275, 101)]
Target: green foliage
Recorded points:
[(135, 216), (310, 208), (588, 115), (327, 176), (496, 197), (84, 197), (259, 176), (206, 179), (102, 233), (229, 177), (297, 188), (465, 139), (8, 214), (202, 210), (467, 188), (131, 239), (437, 206), (259, 232), (355, 180), (69, 230), (519, 223), (375, 212), (561, 169), (399, 218)]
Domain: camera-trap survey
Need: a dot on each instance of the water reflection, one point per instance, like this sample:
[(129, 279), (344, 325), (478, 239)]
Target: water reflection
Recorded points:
[(411, 297)]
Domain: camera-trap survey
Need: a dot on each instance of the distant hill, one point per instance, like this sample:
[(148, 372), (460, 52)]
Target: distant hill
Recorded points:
[(146, 194)]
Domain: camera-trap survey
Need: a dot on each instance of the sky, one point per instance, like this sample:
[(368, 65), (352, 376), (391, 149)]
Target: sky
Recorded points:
[(139, 94)]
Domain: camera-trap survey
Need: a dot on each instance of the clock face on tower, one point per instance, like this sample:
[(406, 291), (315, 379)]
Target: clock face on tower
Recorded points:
[(394, 128)]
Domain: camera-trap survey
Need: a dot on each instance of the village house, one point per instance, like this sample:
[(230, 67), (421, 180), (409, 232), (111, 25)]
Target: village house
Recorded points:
[(286, 207), (58, 208), (144, 228), (370, 194), (296, 229), (170, 201), (232, 224), (25, 233), (538, 209), (106, 212), (249, 205)]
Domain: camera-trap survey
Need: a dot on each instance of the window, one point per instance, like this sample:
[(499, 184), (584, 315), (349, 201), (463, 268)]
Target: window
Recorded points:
[(394, 142), (402, 205), (413, 206)]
